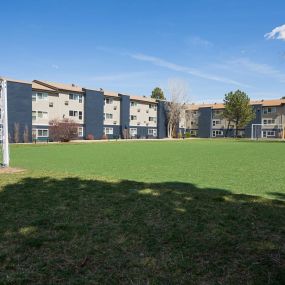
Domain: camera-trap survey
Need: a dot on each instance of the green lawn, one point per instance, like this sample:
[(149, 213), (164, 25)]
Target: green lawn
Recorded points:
[(181, 212)]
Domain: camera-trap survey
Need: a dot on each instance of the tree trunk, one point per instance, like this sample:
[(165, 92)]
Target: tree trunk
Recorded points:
[(236, 129)]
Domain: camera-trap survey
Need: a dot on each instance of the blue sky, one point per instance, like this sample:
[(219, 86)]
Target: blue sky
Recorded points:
[(132, 46)]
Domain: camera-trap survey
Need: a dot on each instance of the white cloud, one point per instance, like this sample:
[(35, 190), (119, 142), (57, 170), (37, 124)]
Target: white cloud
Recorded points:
[(259, 68), (277, 33), (185, 69)]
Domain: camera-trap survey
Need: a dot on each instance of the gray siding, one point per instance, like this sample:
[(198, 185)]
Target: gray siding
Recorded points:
[(93, 109), (116, 131), (125, 113), (161, 120), (205, 122), (19, 98), (142, 132), (256, 120)]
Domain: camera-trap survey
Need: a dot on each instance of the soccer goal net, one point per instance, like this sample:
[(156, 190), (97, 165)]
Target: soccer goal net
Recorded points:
[(267, 131), (4, 138)]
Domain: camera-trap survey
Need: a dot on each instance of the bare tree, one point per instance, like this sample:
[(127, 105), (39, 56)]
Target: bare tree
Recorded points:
[(63, 130), (26, 134), (175, 107), (16, 132)]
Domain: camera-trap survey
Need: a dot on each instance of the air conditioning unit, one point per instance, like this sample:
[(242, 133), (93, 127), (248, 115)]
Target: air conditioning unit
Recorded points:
[(115, 108), (66, 103), (139, 110), (115, 122)]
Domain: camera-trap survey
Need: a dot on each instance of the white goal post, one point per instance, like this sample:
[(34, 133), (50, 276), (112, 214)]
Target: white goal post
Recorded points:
[(267, 131), (4, 137)]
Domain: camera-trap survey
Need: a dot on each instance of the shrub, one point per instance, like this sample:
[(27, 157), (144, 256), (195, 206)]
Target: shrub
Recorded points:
[(90, 137), (26, 134), (16, 133), (180, 135), (104, 137), (63, 131), (187, 135)]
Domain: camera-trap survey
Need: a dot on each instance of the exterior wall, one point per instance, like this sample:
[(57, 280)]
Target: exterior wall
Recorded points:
[(114, 109), (143, 132), (116, 131), (161, 120), (256, 120), (143, 112), (192, 120), (58, 106), (19, 99), (205, 123), (93, 108), (124, 114), (278, 116)]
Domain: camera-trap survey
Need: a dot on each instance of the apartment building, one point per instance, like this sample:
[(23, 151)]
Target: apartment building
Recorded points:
[(206, 120), (98, 113), (105, 114)]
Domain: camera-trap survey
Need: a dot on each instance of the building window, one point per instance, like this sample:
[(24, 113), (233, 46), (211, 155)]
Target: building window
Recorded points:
[(269, 110), (152, 132), (152, 119), (133, 132), (34, 115), (80, 115), (216, 122), (268, 121), (80, 131), (108, 116), (108, 101), (108, 131), (217, 112), (217, 133), (133, 118), (73, 113), (42, 115), (38, 96), (268, 134), (134, 104), (75, 97), (42, 133), (152, 106)]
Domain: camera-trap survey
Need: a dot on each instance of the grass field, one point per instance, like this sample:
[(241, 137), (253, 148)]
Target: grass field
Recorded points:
[(165, 212)]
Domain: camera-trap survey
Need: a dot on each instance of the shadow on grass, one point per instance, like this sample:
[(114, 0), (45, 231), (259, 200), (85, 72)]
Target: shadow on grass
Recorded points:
[(75, 231)]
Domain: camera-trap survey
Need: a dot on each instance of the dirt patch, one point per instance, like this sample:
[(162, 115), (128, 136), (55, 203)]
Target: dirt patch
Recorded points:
[(10, 170)]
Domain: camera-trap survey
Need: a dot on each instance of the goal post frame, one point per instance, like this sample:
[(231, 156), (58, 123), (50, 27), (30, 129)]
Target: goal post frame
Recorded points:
[(4, 117), (280, 127)]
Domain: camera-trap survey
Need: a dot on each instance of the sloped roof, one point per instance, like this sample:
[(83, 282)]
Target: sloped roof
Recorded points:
[(268, 103), (264, 103), (111, 93), (60, 86), (15, 80), (42, 87), (143, 99)]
